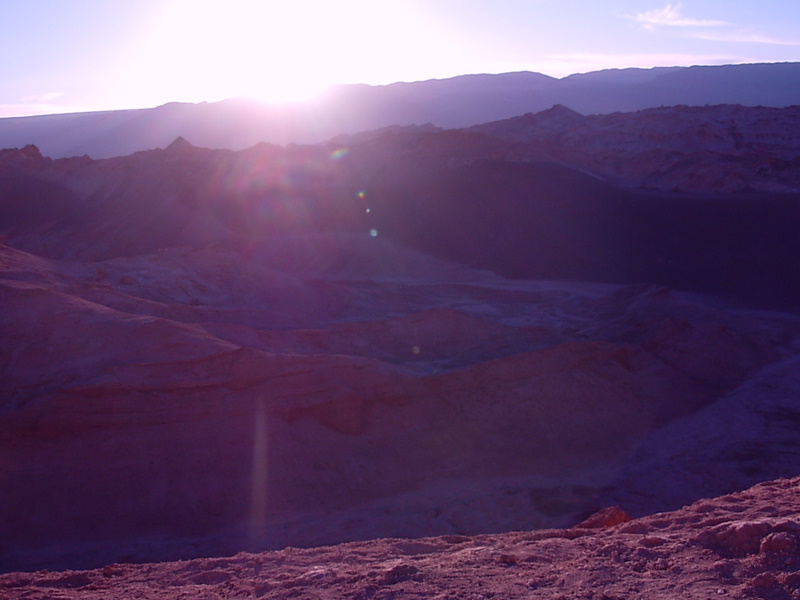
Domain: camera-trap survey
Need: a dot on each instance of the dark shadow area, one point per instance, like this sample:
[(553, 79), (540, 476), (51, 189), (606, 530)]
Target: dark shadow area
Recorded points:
[(543, 221)]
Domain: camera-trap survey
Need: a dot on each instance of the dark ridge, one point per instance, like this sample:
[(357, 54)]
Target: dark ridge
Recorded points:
[(179, 144)]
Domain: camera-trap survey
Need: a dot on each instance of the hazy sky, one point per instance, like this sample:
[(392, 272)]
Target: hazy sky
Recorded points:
[(74, 55)]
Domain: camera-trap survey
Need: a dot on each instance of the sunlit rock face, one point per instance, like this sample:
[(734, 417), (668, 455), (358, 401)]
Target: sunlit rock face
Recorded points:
[(209, 351)]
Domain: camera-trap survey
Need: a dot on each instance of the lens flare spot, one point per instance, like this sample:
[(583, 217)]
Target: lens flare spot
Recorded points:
[(415, 349), (362, 194), (339, 154), (373, 232), (369, 210)]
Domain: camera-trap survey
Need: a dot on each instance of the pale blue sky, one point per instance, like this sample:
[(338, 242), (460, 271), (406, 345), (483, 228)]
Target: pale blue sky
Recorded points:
[(79, 55)]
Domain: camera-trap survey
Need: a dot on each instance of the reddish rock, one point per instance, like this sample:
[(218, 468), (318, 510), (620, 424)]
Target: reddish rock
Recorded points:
[(606, 517), (780, 541)]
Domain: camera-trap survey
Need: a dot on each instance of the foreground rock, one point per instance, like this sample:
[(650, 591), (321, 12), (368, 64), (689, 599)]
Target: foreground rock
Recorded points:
[(743, 545)]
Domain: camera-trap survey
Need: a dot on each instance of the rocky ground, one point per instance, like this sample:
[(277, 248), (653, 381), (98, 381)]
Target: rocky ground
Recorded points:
[(742, 545)]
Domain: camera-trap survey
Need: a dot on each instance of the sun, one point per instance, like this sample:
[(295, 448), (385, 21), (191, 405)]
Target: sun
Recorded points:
[(279, 51)]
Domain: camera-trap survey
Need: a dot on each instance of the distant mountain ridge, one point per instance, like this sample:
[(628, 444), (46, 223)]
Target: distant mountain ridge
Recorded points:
[(447, 103)]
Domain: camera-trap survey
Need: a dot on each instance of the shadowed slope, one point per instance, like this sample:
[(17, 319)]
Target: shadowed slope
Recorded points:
[(546, 221)]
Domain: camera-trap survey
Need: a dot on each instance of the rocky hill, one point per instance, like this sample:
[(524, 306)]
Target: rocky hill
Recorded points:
[(208, 351), (705, 149)]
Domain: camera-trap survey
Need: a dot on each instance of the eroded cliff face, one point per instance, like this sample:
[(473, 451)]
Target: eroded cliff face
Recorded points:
[(205, 351)]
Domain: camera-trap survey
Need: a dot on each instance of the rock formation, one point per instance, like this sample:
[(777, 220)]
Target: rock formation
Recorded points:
[(206, 351)]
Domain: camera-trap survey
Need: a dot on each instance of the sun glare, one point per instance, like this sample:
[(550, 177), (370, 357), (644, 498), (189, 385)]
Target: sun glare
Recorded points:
[(280, 51)]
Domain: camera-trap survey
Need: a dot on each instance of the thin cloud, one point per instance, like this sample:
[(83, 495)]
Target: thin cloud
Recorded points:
[(561, 65), (644, 60), (42, 98), (38, 104), (672, 16), (742, 37), (23, 110)]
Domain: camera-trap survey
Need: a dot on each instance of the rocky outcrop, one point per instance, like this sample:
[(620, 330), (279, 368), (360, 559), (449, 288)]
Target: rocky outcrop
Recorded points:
[(18, 154)]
